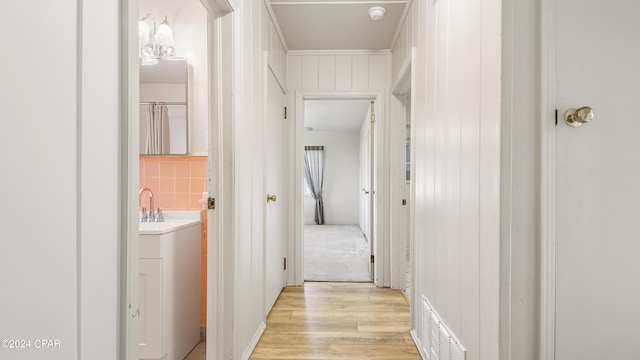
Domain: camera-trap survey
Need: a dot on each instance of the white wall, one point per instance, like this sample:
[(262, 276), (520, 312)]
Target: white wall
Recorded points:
[(341, 177), (457, 164), (189, 21), (60, 218)]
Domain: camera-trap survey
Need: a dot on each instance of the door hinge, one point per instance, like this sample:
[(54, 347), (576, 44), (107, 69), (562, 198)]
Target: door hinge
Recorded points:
[(285, 112), (404, 201), (211, 203), (556, 117), (285, 263), (372, 259)]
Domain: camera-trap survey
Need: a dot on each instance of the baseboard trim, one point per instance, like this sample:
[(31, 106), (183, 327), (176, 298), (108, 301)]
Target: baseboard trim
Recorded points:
[(417, 343), (254, 342)]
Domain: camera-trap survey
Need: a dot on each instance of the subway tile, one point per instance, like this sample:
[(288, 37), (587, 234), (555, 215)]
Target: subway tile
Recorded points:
[(166, 202), (182, 185), (167, 169), (181, 201), (151, 168), (198, 170), (182, 170), (167, 185)]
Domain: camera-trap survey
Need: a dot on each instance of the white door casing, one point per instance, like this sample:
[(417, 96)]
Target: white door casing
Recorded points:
[(275, 212), (297, 226), (597, 172), (372, 191)]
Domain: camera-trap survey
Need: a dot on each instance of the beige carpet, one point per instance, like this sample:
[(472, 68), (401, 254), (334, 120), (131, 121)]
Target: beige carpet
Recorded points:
[(335, 253)]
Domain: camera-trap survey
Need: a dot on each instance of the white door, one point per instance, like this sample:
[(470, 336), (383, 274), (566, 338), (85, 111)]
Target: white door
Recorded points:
[(598, 181), (275, 242), (370, 203)]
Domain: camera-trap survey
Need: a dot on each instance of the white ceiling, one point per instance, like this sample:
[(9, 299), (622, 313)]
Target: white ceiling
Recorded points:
[(335, 115), (337, 24)]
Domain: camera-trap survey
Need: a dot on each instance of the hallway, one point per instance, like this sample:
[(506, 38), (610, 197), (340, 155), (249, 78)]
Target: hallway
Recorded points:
[(337, 321)]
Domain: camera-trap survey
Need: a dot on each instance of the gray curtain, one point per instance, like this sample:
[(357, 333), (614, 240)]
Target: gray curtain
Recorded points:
[(157, 129), (314, 175)]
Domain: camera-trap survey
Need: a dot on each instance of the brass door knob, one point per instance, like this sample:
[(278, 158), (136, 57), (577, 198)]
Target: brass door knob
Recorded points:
[(577, 117), (271, 198)]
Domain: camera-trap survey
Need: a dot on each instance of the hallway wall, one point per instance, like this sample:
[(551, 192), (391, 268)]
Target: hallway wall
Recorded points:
[(457, 165), (61, 218), (256, 36)]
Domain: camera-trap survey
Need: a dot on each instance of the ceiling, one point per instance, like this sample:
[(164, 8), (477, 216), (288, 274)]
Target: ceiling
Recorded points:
[(335, 115), (337, 25)]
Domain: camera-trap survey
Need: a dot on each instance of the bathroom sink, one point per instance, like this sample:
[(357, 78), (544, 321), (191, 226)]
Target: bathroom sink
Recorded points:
[(157, 228)]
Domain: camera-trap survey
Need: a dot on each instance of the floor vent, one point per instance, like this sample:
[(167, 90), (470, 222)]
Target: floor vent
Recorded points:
[(438, 343)]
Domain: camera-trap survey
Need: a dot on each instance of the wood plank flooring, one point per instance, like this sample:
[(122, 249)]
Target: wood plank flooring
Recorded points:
[(337, 321)]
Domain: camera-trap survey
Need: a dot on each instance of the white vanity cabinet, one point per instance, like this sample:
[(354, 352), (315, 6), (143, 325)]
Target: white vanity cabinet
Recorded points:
[(169, 290)]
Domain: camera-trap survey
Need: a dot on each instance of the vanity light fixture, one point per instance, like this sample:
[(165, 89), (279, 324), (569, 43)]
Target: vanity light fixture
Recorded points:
[(376, 13), (155, 41)]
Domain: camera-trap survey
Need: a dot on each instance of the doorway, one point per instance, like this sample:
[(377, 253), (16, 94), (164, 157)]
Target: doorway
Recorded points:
[(366, 98), (335, 165), (178, 181), (401, 184)]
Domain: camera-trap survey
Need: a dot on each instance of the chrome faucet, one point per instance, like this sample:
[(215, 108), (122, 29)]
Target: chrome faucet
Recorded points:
[(146, 216)]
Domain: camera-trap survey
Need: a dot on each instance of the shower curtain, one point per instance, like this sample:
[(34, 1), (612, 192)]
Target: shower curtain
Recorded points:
[(314, 175), (157, 128)]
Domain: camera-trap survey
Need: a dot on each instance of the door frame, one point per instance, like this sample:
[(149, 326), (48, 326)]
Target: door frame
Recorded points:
[(219, 291), (404, 84), (547, 33), (297, 226)]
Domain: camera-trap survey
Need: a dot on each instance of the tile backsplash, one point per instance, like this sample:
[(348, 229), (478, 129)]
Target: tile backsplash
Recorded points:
[(177, 182)]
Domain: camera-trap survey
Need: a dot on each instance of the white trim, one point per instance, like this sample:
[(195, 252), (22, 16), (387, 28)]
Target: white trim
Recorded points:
[(221, 6), (131, 178), (220, 310), (399, 110), (274, 20), (298, 222), (335, 2), (400, 86), (275, 76), (403, 20), (418, 343), (338, 52), (254, 342), (547, 179)]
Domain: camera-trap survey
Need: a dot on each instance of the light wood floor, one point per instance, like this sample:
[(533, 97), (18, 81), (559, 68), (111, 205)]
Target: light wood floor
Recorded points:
[(337, 321)]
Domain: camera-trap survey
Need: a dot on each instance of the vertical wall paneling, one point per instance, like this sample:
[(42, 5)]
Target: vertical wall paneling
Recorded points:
[(326, 72), (310, 72), (378, 72), (456, 161), (343, 72), (360, 72)]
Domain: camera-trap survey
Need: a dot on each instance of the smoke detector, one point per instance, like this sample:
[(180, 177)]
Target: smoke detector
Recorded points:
[(376, 13)]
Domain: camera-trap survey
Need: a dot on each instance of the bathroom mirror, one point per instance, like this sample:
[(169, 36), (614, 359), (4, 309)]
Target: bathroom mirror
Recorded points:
[(163, 106)]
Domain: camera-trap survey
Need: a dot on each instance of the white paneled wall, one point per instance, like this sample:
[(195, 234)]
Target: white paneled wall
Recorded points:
[(257, 37), (457, 166), (273, 44), (323, 71)]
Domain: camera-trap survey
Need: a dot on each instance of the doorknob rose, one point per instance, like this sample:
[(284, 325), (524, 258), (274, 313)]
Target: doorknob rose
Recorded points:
[(271, 198), (577, 117)]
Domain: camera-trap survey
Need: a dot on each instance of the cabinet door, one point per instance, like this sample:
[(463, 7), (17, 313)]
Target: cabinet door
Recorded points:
[(150, 297)]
